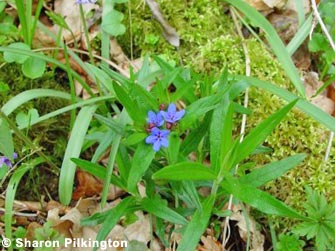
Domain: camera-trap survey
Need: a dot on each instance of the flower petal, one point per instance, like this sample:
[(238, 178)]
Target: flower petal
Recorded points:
[(15, 155), (151, 117), (172, 108), (157, 146), (165, 142), (8, 163), (179, 115), (165, 133), (150, 139), (155, 131)]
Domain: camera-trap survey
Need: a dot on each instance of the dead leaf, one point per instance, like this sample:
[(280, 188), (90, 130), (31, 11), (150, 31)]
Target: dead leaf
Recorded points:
[(285, 23), (312, 84), (30, 235), (71, 13), (245, 225), (169, 32), (260, 6), (88, 185), (209, 244), (139, 230)]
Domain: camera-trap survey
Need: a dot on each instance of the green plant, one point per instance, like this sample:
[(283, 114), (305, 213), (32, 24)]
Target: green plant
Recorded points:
[(27, 18), (320, 221), (289, 242), (32, 67), (47, 233), (320, 45), (208, 122)]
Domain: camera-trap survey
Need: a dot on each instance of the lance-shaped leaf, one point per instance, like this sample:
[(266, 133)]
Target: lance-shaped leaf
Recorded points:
[(185, 171)]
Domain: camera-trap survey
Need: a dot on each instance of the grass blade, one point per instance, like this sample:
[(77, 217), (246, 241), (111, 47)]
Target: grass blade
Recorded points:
[(305, 106), (26, 96), (275, 42), (73, 150), (11, 191)]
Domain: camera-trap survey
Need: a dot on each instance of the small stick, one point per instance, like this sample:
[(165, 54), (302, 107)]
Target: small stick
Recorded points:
[(226, 228)]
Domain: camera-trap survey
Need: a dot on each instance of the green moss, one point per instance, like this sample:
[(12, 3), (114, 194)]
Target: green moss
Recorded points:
[(209, 44), (50, 135)]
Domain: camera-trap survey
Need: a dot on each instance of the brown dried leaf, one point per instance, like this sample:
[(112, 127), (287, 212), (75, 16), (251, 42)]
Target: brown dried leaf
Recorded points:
[(312, 84), (246, 224), (210, 244), (87, 186), (70, 11), (169, 32), (260, 6), (140, 230)]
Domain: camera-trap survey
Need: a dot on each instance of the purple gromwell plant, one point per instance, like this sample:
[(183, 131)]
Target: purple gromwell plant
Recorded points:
[(6, 161)]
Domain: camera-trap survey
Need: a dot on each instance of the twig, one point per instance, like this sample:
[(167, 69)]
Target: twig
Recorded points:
[(332, 44), (226, 229)]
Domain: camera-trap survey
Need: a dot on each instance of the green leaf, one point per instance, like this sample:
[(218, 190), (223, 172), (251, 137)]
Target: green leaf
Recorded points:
[(317, 43), (143, 156), (173, 148), (6, 140), (114, 216), (274, 40), (271, 171), (129, 104), (97, 171), (197, 226), (159, 208), (25, 120), (116, 126), (11, 192), (198, 109), (258, 199), (257, 135), (305, 106), (19, 58), (3, 87), (73, 150), (112, 23), (221, 133), (289, 242), (33, 67), (193, 139), (185, 171), (26, 96)]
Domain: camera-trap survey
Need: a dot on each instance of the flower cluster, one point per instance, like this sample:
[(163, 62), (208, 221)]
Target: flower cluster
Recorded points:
[(159, 136), (6, 161)]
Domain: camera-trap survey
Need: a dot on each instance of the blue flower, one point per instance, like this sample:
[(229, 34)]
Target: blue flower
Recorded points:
[(158, 138), (6, 161), (155, 120), (172, 116)]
